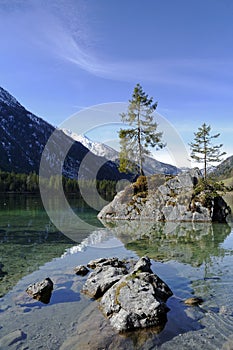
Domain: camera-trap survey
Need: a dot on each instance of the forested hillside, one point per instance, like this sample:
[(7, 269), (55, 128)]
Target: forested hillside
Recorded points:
[(29, 183)]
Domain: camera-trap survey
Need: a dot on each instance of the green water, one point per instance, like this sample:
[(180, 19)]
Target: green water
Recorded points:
[(193, 259), (28, 239)]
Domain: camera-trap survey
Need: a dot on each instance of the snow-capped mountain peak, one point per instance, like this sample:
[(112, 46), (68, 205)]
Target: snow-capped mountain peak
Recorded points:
[(151, 166), (98, 148)]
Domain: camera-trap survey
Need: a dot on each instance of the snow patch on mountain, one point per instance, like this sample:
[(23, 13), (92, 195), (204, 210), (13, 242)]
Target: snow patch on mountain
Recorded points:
[(98, 148), (34, 118), (24, 138), (151, 165), (7, 98), (99, 238)]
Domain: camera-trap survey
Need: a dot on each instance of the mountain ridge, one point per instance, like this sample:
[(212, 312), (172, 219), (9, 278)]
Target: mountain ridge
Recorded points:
[(23, 137), (151, 165), (224, 169), (98, 148)]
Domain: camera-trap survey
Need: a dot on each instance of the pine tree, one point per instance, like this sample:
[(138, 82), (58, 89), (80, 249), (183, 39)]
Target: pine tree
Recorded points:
[(202, 149), (141, 133)]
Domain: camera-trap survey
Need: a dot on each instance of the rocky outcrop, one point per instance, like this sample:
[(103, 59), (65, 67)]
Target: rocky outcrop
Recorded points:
[(173, 200), (104, 276), (41, 291), (131, 297)]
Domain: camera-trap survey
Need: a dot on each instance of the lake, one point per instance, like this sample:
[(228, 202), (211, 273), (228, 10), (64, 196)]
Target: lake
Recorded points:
[(193, 259)]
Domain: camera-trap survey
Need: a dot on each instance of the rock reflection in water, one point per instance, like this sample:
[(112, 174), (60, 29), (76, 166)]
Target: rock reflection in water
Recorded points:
[(192, 243), (95, 332)]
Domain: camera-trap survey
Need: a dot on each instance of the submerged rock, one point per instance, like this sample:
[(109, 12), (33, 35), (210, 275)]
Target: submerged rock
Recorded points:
[(193, 301), (131, 298), (41, 291)]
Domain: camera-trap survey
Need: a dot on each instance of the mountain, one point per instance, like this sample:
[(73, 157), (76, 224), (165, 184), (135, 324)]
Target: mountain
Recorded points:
[(151, 165), (98, 148), (224, 170), (23, 137)]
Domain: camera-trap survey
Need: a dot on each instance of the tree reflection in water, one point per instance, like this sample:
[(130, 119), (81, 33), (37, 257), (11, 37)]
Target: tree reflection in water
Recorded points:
[(188, 243)]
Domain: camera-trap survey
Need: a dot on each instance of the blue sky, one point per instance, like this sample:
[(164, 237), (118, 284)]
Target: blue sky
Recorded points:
[(58, 57)]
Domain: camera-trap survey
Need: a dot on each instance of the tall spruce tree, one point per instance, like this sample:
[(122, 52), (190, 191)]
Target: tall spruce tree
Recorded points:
[(141, 133), (202, 149)]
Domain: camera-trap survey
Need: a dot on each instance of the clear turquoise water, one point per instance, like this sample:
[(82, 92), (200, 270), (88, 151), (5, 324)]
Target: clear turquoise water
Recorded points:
[(191, 259)]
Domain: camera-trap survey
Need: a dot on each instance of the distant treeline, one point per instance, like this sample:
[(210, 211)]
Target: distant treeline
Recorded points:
[(29, 183)]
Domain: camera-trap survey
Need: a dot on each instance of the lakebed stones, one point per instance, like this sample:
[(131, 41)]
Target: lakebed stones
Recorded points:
[(131, 298), (41, 291), (193, 301)]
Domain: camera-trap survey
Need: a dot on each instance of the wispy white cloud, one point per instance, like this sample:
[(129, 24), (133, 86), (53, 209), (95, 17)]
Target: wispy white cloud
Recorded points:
[(59, 29), (209, 76)]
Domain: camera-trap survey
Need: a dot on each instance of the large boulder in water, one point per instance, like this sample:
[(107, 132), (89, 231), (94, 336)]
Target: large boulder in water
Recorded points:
[(107, 271), (134, 298), (166, 199)]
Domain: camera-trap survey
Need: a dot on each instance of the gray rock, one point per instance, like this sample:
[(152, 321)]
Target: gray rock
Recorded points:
[(136, 301), (131, 297), (81, 270), (106, 273), (41, 291), (172, 201), (220, 210), (134, 306), (143, 265), (115, 262)]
